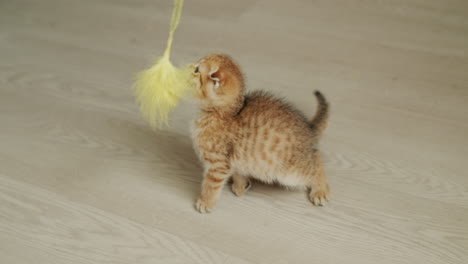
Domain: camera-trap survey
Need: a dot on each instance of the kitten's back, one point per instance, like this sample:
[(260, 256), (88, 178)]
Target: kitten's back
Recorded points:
[(263, 110), (273, 137)]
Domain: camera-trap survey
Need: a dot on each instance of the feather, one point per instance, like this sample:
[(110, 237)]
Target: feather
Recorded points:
[(159, 88)]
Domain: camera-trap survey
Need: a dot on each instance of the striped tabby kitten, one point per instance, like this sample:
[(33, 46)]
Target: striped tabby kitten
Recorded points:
[(252, 136)]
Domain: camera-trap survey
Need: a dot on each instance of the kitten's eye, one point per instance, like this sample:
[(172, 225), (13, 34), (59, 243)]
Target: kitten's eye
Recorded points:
[(196, 70)]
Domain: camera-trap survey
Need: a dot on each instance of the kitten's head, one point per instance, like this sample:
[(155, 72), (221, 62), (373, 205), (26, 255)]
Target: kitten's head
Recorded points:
[(219, 83)]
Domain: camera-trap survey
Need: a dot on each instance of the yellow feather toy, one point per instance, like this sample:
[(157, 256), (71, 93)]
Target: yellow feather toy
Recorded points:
[(159, 88)]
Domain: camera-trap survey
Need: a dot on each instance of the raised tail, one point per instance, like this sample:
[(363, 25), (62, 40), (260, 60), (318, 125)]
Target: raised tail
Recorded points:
[(319, 122)]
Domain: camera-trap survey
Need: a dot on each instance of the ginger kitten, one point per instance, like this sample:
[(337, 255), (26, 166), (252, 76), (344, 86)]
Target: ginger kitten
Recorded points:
[(252, 136)]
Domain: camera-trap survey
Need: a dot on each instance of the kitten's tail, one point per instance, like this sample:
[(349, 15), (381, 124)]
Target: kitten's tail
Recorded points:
[(319, 122)]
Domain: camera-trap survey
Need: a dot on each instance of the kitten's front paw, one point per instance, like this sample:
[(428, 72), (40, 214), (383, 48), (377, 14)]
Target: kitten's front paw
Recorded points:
[(319, 197), (203, 206)]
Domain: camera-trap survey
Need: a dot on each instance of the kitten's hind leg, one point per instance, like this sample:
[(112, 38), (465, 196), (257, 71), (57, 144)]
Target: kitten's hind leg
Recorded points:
[(240, 185), (320, 190)]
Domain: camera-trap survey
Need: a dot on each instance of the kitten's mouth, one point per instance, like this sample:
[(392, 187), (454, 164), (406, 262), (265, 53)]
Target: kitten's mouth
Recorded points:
[(195, 86)]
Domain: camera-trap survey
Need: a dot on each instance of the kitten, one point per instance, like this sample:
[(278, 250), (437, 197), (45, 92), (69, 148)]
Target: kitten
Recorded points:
[(252, 136)]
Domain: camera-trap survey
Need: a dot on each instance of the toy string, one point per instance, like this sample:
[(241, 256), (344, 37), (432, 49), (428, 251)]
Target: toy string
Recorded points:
[(174, 22)]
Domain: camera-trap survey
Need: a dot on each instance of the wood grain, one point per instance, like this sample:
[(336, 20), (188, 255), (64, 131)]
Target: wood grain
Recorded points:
[(73, 232), (84, 180)]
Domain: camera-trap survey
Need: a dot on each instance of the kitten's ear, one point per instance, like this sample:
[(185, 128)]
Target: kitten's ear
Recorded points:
[(215, 75)]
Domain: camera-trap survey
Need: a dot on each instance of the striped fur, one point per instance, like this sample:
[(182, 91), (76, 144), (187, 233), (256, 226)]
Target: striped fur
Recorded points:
[(253, 136)]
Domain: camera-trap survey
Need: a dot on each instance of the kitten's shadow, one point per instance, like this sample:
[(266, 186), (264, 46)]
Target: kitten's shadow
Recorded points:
[(169, 158)]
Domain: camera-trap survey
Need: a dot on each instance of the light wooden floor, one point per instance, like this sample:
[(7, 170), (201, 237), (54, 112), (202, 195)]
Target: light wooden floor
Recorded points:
[(84, 180)]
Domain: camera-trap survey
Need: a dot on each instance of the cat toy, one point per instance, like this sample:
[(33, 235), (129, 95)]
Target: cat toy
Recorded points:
[(159, 88)]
